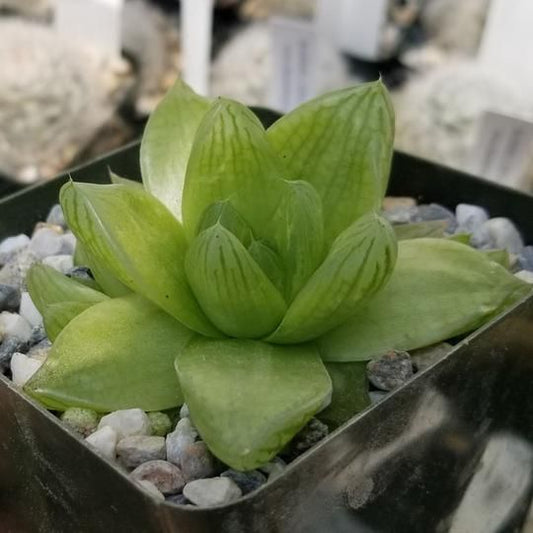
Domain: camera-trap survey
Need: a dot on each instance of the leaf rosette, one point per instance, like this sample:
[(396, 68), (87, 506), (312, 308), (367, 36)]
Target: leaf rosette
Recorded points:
[(249, 258)]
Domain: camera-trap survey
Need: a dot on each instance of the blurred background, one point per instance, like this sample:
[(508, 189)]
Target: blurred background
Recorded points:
[(79, 78)]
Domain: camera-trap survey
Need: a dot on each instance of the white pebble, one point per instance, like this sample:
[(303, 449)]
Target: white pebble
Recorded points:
[(470, 217), (127, 422), (28, 310), (13, 325), (68, 241), (525, 275), (104, 441), (184, 411), (138, 449), (62, 263), (212, 491), (151, 489), (46, 241), (504, 235), (11, 245), (179, 440), (23, 368)]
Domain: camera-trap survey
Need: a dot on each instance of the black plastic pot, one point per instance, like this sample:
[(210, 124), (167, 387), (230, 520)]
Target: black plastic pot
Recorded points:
[(410, 463)]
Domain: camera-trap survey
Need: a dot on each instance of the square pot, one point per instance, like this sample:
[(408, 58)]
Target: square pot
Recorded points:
[(405, 464)]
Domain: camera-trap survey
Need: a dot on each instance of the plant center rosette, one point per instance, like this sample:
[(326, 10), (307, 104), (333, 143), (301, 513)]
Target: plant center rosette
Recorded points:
[(251, 275)]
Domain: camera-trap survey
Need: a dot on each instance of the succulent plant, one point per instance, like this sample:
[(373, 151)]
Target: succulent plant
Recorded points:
[(251, 275)]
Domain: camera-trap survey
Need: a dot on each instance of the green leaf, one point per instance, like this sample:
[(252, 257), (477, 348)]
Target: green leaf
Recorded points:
[(117, 354), (231, 159), (232, 289), (342, 144), (439, 289), (269, 262), (115, 179), (167, 142), (248, 398), (499, 256), (350, 393), (463, 238), (418, 230), (298, 231), (359, 263), (137, 239), (102, 275), (59, 298)]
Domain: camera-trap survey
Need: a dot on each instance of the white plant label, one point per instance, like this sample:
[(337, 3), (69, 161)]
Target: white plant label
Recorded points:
[(294, 59), (503, 149)]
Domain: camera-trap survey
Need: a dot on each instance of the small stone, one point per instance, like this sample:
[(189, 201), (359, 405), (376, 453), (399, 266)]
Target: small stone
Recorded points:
[(151, 489), (470, 217), (274, 468), (138, 449), (11, 246), (68, 243), (246, 481), (164, 475), (160, 423), (38, 334), (213, 491), (390, 370), (23, 368), (56, 217), (127, 422), (525, 261), (8, 347), (427, 212), (184, 435), (525, 275), (505, 235), (62, 263), (82, 421), (197, 462), (104, 441), (394, 202), (313, 432), (400, 214), (28, 310), (81, 273), (425, 357), (184, 411), (13, 325), (15, 270), (377, 396), (178, 499), (46, 241), (9, 297), (40, 350)]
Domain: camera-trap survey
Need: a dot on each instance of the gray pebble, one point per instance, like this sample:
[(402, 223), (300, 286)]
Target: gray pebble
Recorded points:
[(390, 370), (425, 357), (377, 396), (273, 468), (470, 217), (307, 437), (213, 491), (14, 271), (38, 335), (40, 349), (138, 449), (11, 246), (400, 214), (525, 259), (426, 212), (46, 240), (178, 499), (9, 297), (80, 273), (151, 489), (183, 436), (197, 462), (246, 481), (56, 217), (504, 235), (184, 411), (167, 477), (8, 347)]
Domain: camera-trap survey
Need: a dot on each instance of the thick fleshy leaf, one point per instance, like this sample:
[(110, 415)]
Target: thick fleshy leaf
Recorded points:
[(248, 398), (115, 179), (418, 230), (167, 142), (231, 159), (59, 298), (109, 284), (230, 286), (499, 256), (350, 393), (439, 289), (117, 354), (269, 262), (342, 144), (298, 233), (358, 265), (136, 237)]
